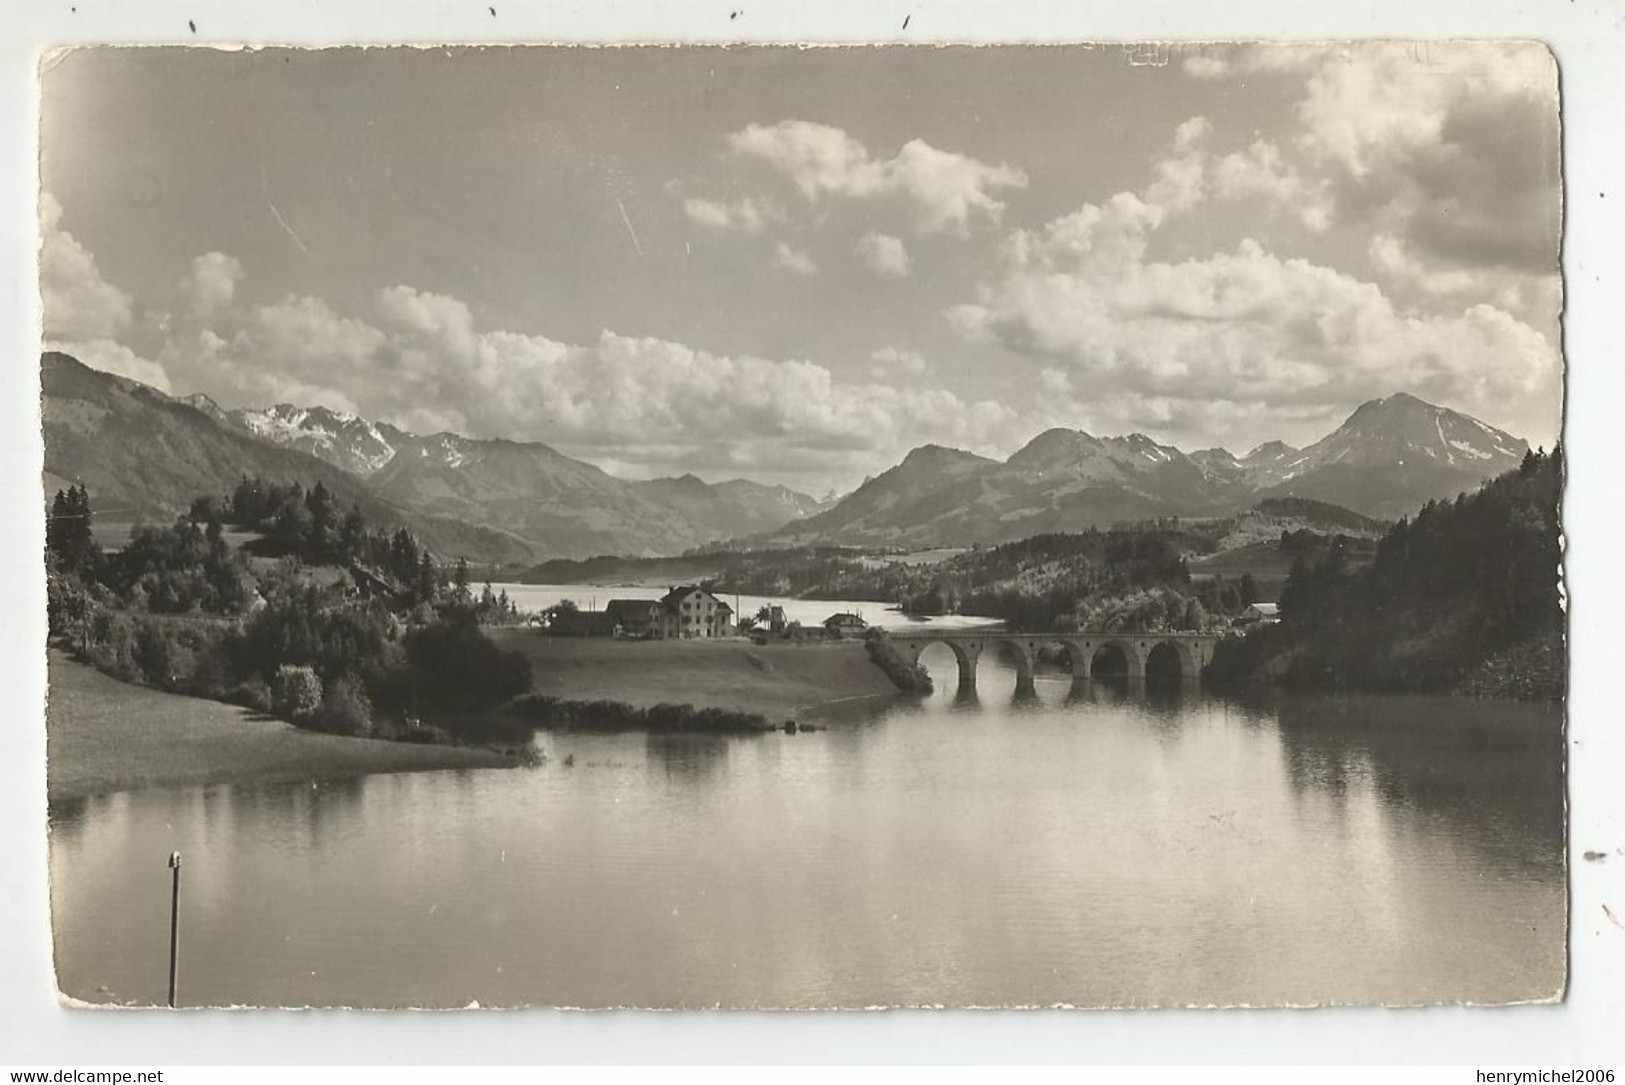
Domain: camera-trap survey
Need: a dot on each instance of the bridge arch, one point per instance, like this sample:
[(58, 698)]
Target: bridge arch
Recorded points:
[(1101, 650), (1023, 653), (966, 654), (1164, 660)]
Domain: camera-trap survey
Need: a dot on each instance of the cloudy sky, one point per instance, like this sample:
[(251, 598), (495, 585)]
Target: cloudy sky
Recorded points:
[(795, 265)]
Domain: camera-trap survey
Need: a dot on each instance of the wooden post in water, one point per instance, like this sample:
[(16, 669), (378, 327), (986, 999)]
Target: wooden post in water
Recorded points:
[(174, 921)]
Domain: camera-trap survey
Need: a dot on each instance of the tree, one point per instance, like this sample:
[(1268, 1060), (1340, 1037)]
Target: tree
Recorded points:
[(1248, 589), (345, 709), (56, 527), (1296, 594), (209, 509), (460, 593), (427, 586), (457, 666), (353, 535), (68, 537), (322, 542), (296, 693), (403, 557), (290, 530)]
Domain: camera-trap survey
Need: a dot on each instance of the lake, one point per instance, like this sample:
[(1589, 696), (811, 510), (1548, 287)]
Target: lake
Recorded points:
[(1104, 846)]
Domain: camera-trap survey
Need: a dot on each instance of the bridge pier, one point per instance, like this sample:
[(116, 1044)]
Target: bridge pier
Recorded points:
[(967, 656)]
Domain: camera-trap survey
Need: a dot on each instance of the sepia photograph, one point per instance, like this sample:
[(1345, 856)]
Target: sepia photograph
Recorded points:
[(763, 527)]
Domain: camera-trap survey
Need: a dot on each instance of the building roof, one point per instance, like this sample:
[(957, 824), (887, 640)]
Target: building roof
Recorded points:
[(1266, 608), (676, 595), (845, 618), (639, 607)]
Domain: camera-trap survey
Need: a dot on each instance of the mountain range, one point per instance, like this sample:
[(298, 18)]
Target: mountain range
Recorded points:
[(1388, 458), (144, 454), (148, 454)]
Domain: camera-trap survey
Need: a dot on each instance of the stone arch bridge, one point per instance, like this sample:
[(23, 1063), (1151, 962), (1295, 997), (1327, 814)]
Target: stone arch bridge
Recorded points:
[(1192, 650)]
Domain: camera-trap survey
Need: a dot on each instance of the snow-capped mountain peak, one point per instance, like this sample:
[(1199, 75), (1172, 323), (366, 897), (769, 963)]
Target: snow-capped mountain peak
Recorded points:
[(339, 437)]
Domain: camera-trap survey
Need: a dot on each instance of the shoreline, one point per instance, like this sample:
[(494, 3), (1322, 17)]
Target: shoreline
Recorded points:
[(105, 736)]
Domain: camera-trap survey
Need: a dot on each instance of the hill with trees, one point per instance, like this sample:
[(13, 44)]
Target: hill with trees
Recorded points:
[(1465, 595), (346, 628)]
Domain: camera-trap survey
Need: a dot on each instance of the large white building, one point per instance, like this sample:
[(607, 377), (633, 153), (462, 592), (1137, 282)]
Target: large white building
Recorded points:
[(690, 611)]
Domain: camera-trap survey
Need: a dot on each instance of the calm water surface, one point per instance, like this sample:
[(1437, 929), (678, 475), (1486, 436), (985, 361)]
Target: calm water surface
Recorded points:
[(1103, 847)]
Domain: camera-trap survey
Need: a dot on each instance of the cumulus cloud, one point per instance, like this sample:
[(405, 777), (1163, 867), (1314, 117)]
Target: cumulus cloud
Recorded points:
[(1261, 171), (1189, 174), (1400, 263), (1224, 61), (645, 405), (884, 255), (747, 215), (891, 362), (79, 304), (297, 350), (1206, 67), (1240, 330), (1452, 147), (210, 285), (942, 190), (788, 258)]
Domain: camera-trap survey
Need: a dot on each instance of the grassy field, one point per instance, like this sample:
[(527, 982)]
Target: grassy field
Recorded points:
[(773, 679), (103, 735), (1266, 561)]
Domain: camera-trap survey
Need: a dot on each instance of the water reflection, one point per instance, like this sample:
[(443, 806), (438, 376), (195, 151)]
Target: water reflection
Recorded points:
[(1489, 776), (688, 756), (1109, 843)]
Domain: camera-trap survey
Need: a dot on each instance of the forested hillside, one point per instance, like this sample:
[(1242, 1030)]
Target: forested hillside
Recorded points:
[(1465, 594)]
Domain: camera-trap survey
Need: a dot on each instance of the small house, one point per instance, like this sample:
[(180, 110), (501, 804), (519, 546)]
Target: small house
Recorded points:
[(638, 619), (776, 620), (845, 625), (1260, 614)]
